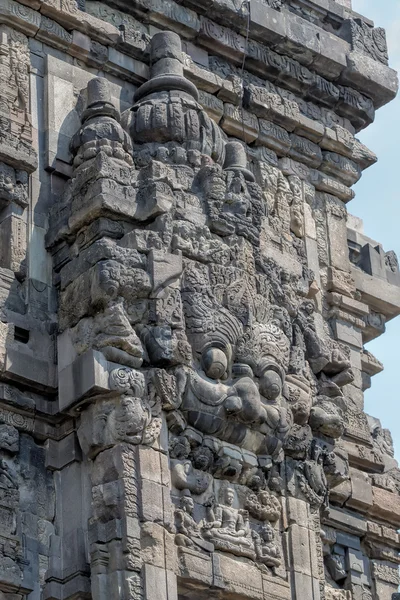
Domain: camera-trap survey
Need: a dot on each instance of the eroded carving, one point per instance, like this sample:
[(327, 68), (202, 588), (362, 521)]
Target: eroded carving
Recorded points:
[(228, 527)]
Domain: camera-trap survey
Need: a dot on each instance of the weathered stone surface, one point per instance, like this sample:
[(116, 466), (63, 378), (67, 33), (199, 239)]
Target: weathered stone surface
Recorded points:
[(185, 302), (386, 505)]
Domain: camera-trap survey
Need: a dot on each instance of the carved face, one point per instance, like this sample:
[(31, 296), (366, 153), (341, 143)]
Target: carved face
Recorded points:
[(270, 384), (215, 363), (187, 504), (202, 458), (229, 496), (267, 534), (130, 418), (308, 308)]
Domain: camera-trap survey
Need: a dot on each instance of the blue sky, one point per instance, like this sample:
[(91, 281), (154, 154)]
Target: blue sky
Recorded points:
[(377, 203)]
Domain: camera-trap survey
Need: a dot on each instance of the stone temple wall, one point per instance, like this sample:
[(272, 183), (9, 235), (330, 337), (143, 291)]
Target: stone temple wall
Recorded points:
[(185, 302)]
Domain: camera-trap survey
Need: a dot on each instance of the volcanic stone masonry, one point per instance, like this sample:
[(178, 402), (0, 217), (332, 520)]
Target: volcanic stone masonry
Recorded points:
[(185, 302)]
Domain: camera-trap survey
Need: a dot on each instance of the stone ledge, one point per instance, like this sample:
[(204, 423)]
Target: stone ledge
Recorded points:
[(32, 23), (325, 54), (86, 376), (119, 64), (386, 506), (346, 521), (381, 296), (370, 364), (371, 78)]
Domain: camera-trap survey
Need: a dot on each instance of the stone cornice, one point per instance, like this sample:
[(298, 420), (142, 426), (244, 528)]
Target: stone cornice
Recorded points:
[(261, 60)]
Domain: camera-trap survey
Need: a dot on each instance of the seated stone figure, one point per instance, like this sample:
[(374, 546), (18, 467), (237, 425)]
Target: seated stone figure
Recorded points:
[(227, 528), (188, 531), (266, 547)]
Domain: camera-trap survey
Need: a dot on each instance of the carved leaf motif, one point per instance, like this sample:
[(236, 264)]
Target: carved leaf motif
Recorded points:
[(127, 381)]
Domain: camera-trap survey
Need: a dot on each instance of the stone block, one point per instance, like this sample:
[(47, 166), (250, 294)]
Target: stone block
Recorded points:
[(267, 24), (299, 539), (159, 584), (346, 521), (124, 66), (240, 123), (347, 333), (13, 242), (63, 452), (152, 501), (274, 137), (381, 296), (246, 581), (348, 541), (197, 567), (212, 105), (169, 14), (304, 587), (221, 40), (149, 464), (370, 364), (198, 55), (340, 493), (53, 34), (331, 186), (86, 376), (358, 566), (386, 506), (309, 223), (302, 40), (332, 56), (26, 19), (165, 269), (370, 77), (309, 128), (344, 169), (305, 151), (361, 491), (152, 547), (372, 261), (292, 167), (23, 366), (202, 78)]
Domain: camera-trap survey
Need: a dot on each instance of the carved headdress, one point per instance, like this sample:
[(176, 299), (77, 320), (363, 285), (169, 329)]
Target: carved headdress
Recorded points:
[(264, 346)]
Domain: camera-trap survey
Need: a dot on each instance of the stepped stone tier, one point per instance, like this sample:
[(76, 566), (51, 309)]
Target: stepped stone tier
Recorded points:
[(185, 301)]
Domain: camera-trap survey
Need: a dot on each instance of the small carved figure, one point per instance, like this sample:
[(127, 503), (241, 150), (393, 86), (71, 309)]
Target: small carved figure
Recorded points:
[(263, 506), (202, 458), (179, 447), (228, 528), (311, 475), (326, 418), (267, 550), (132, 415), (391, 261), (184, 476), (188, 531), (8, 479), (336, 567), (9, 438)]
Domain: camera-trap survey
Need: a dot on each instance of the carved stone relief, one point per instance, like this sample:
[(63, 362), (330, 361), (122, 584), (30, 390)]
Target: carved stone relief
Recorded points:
[(210, 322), (209, 326)]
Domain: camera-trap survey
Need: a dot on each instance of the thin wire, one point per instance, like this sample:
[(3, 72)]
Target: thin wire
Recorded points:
[(246, 45)]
